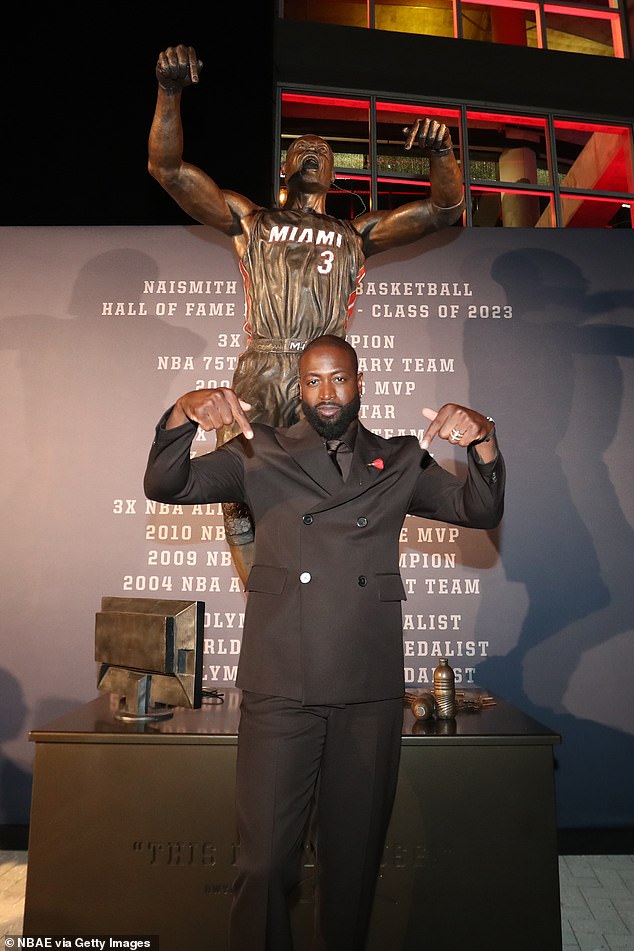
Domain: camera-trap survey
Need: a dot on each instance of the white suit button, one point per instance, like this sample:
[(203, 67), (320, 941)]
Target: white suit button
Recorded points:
[(305, 577)]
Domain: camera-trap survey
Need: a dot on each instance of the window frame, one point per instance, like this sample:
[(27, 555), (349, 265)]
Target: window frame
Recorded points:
[(613, 12), (549, 121)]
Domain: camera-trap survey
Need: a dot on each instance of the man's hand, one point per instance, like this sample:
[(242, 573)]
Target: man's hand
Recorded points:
[(177, 67), (459, 425), (211, 409), (431, 136)]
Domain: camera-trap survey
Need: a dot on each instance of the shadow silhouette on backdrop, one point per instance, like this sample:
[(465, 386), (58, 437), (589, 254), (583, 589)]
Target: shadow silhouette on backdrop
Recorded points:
[(85, 395), (88, 396), (558, 389)]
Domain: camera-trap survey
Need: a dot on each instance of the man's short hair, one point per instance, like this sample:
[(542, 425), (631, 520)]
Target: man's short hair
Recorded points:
[(330, 340)]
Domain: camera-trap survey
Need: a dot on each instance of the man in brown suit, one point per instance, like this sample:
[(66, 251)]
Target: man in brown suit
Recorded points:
[(321, 666)]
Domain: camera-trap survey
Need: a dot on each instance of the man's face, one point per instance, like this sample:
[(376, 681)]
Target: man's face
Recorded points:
[(311, 159), (330, 388)]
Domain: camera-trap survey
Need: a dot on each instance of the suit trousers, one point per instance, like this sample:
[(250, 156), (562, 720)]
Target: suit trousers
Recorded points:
[(336, 766)]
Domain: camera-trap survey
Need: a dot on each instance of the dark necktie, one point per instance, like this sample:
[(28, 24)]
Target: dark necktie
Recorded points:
[(332, 445)]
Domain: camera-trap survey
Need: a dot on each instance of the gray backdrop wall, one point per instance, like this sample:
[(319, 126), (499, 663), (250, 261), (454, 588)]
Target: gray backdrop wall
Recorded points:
[(102, 328)]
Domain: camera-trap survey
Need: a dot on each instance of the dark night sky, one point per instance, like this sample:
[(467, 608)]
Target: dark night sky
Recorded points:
[(77, 116)]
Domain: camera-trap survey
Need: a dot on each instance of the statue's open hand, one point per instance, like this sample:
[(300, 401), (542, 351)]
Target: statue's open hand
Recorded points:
[(177, 67), (432, 136)]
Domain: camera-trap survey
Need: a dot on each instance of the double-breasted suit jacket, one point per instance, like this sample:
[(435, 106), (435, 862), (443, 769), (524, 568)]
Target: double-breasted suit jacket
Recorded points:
[(323, 618)]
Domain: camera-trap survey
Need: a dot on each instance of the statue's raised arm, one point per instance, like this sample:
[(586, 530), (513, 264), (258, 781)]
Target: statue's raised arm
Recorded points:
[(382, 230), (192, 188)]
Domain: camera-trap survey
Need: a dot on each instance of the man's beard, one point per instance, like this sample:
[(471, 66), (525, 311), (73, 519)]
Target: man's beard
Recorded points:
[(333, 427)]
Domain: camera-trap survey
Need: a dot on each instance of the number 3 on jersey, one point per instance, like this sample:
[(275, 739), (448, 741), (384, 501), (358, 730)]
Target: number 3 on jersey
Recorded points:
[(327, 257)]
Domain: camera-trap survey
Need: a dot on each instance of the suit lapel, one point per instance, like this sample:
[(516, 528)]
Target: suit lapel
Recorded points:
[(306, 447)]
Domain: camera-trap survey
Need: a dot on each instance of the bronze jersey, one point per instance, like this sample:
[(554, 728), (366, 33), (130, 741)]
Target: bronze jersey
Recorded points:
[(301, 272)]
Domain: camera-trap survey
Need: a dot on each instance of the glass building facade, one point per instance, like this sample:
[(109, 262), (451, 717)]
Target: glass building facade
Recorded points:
[(522, 168)]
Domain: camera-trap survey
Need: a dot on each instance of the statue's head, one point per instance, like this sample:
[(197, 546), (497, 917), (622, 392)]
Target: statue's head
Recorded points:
[(309, 159)]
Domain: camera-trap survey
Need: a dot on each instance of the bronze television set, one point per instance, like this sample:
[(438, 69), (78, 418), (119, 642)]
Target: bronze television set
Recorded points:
[(149, 653)]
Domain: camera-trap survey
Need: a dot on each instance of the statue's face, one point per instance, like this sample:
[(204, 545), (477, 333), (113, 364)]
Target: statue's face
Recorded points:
[(310, 157)]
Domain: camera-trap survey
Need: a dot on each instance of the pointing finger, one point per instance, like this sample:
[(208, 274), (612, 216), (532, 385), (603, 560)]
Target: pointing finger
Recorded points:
[(241, 419), (431, 431)]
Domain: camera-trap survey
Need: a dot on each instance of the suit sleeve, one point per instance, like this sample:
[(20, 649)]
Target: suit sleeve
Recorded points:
[(173, 476), (476, 502)]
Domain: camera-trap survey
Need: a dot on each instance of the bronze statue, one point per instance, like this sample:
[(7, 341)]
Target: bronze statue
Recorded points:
[(301, 266)]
